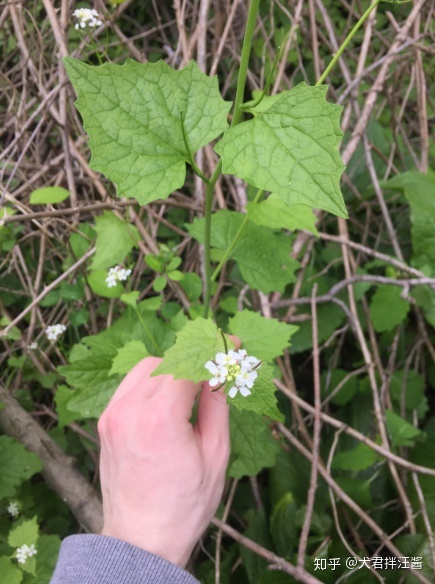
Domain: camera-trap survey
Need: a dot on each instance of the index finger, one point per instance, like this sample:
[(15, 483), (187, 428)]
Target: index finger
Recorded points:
[(135, 378), (162, 392)]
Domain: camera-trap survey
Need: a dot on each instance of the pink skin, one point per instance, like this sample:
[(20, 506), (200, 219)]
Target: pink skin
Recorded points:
[(162, 478)]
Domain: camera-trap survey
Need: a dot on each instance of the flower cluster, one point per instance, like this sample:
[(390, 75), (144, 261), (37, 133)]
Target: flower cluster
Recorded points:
[(24, 552), (235, 367), (13, 509), (116, 274), (86, 17), (53, 332)]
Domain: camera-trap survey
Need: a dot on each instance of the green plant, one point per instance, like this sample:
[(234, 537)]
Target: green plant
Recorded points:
[(237, 266), (146, 121)]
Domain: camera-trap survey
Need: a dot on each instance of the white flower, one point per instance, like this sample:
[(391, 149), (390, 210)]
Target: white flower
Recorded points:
[(219, 372), (235, 367), (33, 346), (115, 275), (243, 390), (86, 17), (53, 332), (246, 378), (25, 552), (226, 359), (242, 355), (13, 509)]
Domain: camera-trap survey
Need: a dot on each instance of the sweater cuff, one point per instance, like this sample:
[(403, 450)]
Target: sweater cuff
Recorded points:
[(98, 559)]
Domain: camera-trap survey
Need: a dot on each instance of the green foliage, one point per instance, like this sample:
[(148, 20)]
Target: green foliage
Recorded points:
[(94, 361), (16, 465), (402, 432), (290, 148), (252, 445), (424, 297), (127, 357), (332, 380), (265, 338), (115, 239), (165, 263), (274, 213), (359, 458), (94, 388), (192, 285), (388, 309), (25, 532), (135, 111), (261, 254), (416, 545), (61, 398), (145, 122), (48, 550), (10, 572), (408, 387), (48, 196), (197, 342), (259, 532), (262, 400), (14, 334), (98, 284), (329, 318), (80, 240), (358, 489), (418, 189), (283, 525)]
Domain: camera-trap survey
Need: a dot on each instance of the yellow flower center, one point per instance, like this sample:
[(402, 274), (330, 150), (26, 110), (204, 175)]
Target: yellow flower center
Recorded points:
[(233, 371)]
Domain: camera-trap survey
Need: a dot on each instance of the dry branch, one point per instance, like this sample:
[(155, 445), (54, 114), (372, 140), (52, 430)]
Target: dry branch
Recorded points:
[(59, 470)]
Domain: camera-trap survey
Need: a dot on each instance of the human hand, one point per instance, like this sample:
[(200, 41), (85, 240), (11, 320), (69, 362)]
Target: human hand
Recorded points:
[(162, 478)]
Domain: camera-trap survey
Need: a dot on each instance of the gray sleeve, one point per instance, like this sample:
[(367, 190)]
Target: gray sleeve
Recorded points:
[(97, 559)]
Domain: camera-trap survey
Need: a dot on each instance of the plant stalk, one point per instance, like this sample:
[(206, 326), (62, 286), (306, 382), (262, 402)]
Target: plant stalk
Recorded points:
[(241, 83), (238, 111), (347, 41), (235, 240), (207, 240), (148, 332)]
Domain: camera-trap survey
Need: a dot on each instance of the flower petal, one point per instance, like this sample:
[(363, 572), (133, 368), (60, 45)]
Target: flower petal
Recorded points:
[(211, 367), (233, 391)]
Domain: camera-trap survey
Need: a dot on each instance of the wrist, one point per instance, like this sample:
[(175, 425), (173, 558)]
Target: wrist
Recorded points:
[(174, 552)]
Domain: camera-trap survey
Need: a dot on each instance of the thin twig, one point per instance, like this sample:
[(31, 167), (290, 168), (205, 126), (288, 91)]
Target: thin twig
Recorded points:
[(48, 289), (339, 492), (355, 434), (279, 562), (303, 540), (219, 532)]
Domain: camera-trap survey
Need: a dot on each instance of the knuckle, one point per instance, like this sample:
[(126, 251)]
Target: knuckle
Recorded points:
[(110, 422), (101, 426)]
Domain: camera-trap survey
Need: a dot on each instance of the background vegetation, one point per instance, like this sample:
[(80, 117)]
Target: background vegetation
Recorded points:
[(351, 471)]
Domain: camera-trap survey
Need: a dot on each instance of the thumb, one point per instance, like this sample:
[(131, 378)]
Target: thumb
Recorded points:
[(213, 415), (236, 341), (213, 421)]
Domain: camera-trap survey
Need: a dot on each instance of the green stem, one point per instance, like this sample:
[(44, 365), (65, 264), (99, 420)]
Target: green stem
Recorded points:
[(347, 41), (148, 332), (207, 241), (241, 82), (238, 111), (244, 60), (95, 46), (254, 103), (224, 340), (191, 160), (235, 240)]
